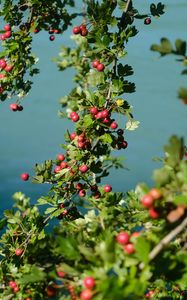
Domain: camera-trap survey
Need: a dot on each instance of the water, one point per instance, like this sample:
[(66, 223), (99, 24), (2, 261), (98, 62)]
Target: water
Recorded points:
[(36, 133)]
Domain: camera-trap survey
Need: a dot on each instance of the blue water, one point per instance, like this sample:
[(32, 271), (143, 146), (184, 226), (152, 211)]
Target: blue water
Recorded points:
[(35, 134)]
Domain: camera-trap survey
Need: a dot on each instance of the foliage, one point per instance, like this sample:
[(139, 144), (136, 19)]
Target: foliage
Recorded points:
[(88, 242)]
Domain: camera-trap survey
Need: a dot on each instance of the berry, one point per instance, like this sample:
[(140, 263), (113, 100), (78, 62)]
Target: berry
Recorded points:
[(50, 31), (20, 108), (105, 113), (72, 136), (86, 295), (124, 144), (7, 27), (155, 193), (12, 284), (89, 282), (147, 200), (2, 76), (81, 145), (100, 67), (94, 188), (50, 291), (74, 116), (61, 157), (123, 238), (16, 289), (2, 63), (8, 68), (106, 120), (76, 30), (99, 115), (120, 131), (129, 248), (57, 31), (60, 274), (52, 37), (18, 252), (63, 165), (57, 169), (95, 63), (97, 195), (93, 110), (79, 186), (82, 193), (114, 125), (107, 188), (24, 176), (3, 37), (83, 168), (153, 213), (84, 32), (135, 234), (82, 27), (147, 21), (8, 34)]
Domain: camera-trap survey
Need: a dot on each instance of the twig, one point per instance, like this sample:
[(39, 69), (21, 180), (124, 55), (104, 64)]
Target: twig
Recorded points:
[(127, 6), (167, 239)]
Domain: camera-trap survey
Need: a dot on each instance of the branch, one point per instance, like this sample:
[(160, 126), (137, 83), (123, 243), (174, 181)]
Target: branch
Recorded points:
[(127, 6), (167, 239)]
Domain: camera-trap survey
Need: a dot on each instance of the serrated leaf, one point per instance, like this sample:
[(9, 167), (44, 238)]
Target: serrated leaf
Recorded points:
[(132, 125), (142, 249)]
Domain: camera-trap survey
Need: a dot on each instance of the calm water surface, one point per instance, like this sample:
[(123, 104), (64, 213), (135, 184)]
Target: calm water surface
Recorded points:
[(35, 134)]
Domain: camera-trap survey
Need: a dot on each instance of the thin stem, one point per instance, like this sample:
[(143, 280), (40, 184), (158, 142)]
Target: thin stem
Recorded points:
[(127, 6)]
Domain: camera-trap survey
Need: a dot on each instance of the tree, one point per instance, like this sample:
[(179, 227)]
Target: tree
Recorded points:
[(101, 245)]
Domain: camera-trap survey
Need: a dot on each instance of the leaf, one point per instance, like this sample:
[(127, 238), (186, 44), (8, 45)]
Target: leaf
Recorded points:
[(180, 199), (50, 210), (132, 125), (36, 274), (174, 151), (142, 249), (68, 248), (106, 138), (164, 48), (180, 47)]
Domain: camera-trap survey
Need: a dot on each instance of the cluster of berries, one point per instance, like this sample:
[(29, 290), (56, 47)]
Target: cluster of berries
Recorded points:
[(98, 65), (7, 33), (148, 201), (89, 284), (13, 286), (123, 238), (82, 30)]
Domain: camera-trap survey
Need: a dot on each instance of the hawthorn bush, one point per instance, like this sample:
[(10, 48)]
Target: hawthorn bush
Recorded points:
[(101, 244)]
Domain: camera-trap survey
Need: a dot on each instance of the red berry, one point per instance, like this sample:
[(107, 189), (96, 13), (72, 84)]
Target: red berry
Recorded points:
[(63, 165), (155, 193), (52, 38), (12, 284), (86, 295), (18, 252), (99, 115), (76, 30), (2, 63), (2, 75), (60, 274), (74, 116), (135, 234), (82, 193), (114, 125), (89, 282), (123, 238), (2, 37), (83, 168), (147, 21), (79, 186), (8, 34), (72, 136), (81, 145), (100, 67), (57, 31), (50, 291), (124, 144), (94, 188), (105, 113), (8, 68), (95, 63), (16, 289), (7, 27), (82, 27), (106, 120), (81, 138), (93, 110), (107, 188), (57, 169), (147, 200), (97, 195), (84, 32), (153, 213), (24, 176), (129, 248), (61, 157)]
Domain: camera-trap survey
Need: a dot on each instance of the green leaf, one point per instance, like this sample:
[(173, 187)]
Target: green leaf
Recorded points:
[(180, 199), (106, 138), (68, 248), (36, 274), (132, 125), (180, 47), (142, 249)]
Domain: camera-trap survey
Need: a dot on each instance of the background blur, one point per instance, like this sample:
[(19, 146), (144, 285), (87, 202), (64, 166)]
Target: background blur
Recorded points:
[(35, 134)]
